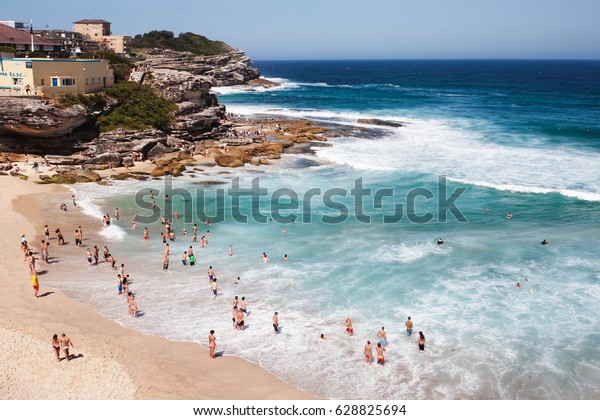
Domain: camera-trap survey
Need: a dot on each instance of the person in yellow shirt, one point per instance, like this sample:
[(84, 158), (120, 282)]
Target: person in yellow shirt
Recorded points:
[(35, 283)]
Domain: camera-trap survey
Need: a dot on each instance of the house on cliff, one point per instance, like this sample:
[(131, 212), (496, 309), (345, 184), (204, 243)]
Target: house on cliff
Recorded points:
[(53, 77), (20, 40)]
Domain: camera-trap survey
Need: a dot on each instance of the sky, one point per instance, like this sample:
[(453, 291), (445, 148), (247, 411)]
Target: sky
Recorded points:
[(349, 29)]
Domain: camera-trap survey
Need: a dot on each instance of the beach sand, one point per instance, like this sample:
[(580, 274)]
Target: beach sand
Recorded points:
[(112, 362)]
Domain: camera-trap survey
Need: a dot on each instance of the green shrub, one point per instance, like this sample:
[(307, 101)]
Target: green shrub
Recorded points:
[(187, 41), (139, 107)]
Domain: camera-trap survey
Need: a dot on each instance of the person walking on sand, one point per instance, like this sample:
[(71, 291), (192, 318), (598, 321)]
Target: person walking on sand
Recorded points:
[(409, 326), (275, 322), (56, 347), (35, 283), (380, 349), (421, 341), (368, 351), (212, 344), (88, 255), (65, 343), (230, 251)]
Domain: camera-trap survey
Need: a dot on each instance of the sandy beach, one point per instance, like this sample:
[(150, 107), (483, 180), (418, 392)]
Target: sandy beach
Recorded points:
[(111, 362)]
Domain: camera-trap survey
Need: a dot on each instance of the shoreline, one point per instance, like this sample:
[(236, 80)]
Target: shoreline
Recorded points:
[(115, 362)]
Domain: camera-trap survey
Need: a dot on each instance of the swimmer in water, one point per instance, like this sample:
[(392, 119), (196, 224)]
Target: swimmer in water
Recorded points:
[(440, 241), (509, 215), (545, 242), (322, 337)]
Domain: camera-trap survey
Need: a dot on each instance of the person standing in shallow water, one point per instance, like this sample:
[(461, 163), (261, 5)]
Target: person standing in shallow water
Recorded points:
[(421, 341)]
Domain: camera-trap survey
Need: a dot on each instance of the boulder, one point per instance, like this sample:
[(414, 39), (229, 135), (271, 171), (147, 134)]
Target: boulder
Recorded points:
[(172, 168), (105, 159), (81, 175), (227, 161), (66, 160)]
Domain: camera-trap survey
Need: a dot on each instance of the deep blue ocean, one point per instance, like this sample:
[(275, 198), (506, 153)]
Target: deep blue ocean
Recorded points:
[(519, 137)]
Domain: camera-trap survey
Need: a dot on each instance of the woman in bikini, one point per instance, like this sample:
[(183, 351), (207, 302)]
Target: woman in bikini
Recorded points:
[(56, 346)]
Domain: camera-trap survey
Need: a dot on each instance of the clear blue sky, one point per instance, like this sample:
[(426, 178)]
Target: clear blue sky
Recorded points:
[(334, 29)]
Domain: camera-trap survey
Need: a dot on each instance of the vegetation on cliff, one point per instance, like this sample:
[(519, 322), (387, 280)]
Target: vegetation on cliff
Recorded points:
[(187, 41), (139, 107)]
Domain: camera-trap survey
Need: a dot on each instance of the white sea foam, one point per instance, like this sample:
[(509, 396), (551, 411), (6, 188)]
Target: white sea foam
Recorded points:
[(284, 84), (444, 147), (409, 252)]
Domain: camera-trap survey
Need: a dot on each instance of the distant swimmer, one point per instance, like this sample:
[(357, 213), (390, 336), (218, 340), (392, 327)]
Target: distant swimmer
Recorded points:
[(409, 326), (230, 251), (133, 224), (509, 215), (518, 284), (238, 280), (368, 352), (284, 230), (285, 257), (265, 259), (166, 263), (486, 210), (146, 237), (322, 337), (421, 341), (211, 273), (349, 329), (382, 335), (380, 349), (440, 241), (184, 258), (545, 242)]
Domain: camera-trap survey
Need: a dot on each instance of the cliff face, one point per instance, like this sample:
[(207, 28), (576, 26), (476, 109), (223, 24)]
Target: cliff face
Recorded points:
[(33, 118), (233, 68)]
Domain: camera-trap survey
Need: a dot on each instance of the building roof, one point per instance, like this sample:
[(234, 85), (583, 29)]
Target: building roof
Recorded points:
[(91, 21), (10, 35)]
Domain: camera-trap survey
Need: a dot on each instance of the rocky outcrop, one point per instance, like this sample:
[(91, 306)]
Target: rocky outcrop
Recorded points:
[(33, 118), (117, 146), (375, 121), (232, 68)]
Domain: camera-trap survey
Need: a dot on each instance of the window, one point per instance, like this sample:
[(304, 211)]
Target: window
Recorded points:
[(42, 82), (87, 81), (55, 81), (98, 80), (93, 81), (17, 81), (68, 82)]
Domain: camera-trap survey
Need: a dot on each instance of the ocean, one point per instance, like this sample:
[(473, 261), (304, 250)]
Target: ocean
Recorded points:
[(479, 140)]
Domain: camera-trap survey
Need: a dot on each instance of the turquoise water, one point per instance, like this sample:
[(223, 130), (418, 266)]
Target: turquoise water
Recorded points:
[(519, 137)]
